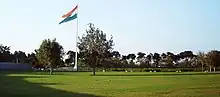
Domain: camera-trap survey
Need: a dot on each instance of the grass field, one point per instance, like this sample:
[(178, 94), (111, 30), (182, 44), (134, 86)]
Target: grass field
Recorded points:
[(109, 84)]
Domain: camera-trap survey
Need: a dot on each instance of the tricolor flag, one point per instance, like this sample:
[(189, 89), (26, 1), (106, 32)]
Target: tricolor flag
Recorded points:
[(69, 16)]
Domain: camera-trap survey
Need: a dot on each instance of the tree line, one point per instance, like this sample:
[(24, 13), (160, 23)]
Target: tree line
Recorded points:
[(96, 51)]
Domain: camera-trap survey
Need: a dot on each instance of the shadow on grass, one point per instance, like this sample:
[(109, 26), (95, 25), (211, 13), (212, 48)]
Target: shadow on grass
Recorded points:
[(16, 86), (157, 74)]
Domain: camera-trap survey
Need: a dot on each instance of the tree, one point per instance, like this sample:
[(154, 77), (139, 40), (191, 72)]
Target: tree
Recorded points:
[(5, 54), (163, 56), (20, 57), (176, 59), (169, 62), (71, 58), (149, 59), (4, 48), (95, 47), (187, 56), (170, 59), (124, 60), (213, 59), (32, 59), (124, 57), (50, 54), (141, 58), (156, 58), (140, 55), (131, 57), (201, 59), (116, 59), (163, 61), (116, 54)]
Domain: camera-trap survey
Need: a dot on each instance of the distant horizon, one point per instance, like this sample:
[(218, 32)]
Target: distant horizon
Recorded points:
[(147, 26)]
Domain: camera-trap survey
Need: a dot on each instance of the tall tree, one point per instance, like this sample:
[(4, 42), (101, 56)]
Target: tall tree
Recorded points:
[(141, 58), (201, 59), (187, 56), (170, 59), (176, 59), (50, 54), (163, 60), (149, 59), (156, 58), (95, 47), (213, 59)]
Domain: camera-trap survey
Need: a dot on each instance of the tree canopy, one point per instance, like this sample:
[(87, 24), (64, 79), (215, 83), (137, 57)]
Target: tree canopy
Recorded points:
[(94, 46), (50, 53)]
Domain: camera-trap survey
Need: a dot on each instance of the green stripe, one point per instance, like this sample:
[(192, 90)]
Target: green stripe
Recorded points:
[(69, 18)]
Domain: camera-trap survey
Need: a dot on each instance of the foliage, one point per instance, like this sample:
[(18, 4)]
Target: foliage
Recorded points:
[(131, 56), (116, 54), (156, 58), (50, 54), (5, 54), (20, 57), (70, 59), (94, 46), (213, 58), (141, 55)]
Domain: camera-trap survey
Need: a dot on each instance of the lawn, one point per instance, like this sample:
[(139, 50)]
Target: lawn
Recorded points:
[(109, 84)]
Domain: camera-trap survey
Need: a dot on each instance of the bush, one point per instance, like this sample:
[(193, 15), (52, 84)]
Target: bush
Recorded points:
[(119, 70), (144, 69)]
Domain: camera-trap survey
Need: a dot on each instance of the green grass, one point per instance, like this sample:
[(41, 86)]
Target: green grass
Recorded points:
[(109, 84)]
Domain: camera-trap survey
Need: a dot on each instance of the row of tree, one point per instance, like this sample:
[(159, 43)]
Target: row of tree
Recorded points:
[(95, 50), (185, 59)]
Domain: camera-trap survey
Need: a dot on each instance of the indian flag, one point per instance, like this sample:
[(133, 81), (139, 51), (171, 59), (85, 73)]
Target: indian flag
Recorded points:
[(69, 16)]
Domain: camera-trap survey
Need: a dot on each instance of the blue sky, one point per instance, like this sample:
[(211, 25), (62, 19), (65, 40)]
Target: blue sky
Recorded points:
[(136, 25)]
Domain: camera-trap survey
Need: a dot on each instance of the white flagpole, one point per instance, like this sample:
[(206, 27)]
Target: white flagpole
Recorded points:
[(76, 65)]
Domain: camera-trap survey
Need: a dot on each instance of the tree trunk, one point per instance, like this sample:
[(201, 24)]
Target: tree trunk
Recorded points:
[(214, 69), (93, 70), (202, 66), (210, 69), (51, 70)]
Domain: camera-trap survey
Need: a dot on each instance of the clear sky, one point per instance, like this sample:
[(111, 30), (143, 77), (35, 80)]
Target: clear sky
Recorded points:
[(136, 25)]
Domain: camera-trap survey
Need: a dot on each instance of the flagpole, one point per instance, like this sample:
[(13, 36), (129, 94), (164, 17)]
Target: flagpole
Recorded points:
[(76, 58)]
